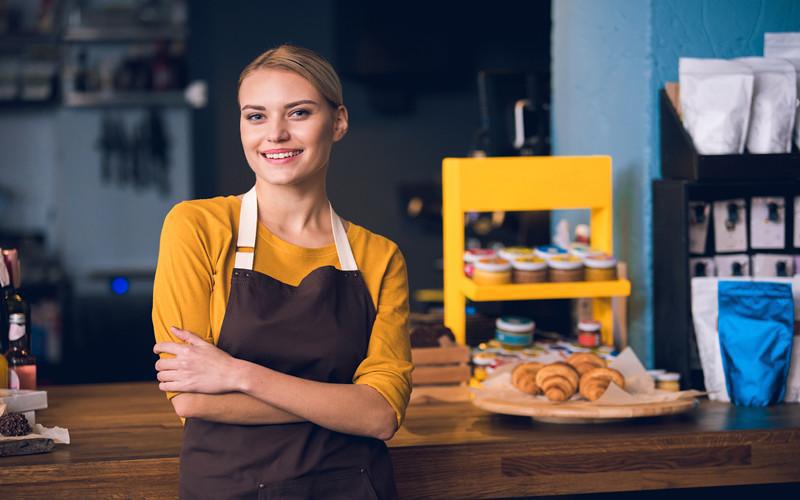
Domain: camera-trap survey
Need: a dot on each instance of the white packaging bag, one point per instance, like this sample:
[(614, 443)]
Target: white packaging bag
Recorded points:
[(730, 230), (715, 100), (772, 112), (705, 313), (767, 222), (787, 46)]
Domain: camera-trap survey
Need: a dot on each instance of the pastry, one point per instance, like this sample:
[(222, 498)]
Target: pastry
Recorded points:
[(558, 381), (585, 361), (523, 377), (594, 383)]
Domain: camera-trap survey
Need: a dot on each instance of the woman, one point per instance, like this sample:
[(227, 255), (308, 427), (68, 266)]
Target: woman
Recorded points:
[(281, 329)]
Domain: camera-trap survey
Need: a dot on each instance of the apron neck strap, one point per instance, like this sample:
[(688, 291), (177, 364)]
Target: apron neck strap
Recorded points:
[(248, 227)]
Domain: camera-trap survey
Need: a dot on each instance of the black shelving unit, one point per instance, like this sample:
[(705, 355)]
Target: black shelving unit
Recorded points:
[(691, 177)]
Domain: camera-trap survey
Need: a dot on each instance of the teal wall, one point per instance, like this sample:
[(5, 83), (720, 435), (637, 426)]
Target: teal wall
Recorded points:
[(610, 57)]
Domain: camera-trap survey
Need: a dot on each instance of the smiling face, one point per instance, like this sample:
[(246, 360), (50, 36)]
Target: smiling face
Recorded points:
[(287, 127)]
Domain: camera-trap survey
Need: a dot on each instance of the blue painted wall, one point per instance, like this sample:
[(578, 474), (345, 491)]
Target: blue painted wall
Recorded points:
[(609, 60), (601, 105)]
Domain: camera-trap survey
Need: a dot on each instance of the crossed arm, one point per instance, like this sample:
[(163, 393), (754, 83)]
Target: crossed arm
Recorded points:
[(218, 387)]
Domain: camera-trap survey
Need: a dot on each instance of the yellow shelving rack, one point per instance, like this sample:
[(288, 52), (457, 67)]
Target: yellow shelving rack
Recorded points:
[(526, 183)]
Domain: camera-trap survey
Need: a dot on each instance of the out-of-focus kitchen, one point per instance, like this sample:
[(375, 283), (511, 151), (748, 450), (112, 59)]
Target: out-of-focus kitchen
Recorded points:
[(557, 175)]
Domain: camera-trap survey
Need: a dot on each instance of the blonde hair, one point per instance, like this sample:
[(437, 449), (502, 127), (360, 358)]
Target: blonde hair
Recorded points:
[(304, 62)]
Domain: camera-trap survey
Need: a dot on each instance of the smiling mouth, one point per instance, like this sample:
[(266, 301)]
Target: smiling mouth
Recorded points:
[(281, 156)]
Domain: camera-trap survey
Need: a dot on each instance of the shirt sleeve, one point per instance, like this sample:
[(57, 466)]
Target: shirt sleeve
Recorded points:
[(183, 280), (387, 367)]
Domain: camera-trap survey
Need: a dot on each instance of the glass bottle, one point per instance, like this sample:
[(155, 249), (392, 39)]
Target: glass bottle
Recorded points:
[(21, 363)]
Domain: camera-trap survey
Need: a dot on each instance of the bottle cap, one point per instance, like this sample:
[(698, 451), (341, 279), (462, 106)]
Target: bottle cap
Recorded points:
[(475, 254), (589, 326), (511, 253), (668, 377), (515, 324), (529, 263), (548, 251), (493, 265), (565, 262), (601, 262)]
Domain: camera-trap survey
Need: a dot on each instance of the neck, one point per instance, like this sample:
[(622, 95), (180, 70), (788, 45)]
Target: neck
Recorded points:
[(292, 209)]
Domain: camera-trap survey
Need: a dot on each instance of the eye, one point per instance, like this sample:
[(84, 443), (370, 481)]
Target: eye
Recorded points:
[(299, 113), (252, 117)]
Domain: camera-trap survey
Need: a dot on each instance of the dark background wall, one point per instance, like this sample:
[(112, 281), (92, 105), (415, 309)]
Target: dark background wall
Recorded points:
[(435, 50)]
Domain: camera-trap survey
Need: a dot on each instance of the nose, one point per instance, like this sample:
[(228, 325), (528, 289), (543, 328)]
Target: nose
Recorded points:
[(277, 131)]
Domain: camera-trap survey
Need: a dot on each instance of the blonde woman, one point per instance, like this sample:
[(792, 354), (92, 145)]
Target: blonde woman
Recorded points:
[(282, 328)]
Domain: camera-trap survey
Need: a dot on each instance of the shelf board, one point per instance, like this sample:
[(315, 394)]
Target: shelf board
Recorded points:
[(123, 99), (123, 34), (538, 291)]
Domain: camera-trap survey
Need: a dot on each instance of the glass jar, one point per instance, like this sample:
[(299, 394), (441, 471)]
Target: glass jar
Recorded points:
[(546, 252), (528, 270), (514, 332), (589, 333), (511, 253), (494, 271), (600, 268), (669, 381), (565, 268), (473, 255)]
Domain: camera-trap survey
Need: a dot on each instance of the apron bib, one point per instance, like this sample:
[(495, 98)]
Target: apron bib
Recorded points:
[(318, 330)]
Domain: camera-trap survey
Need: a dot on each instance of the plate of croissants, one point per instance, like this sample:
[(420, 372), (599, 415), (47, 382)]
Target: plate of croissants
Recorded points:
[(571, 391)]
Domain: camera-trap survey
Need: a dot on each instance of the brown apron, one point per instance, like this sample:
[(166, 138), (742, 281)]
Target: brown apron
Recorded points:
[(318, 330)]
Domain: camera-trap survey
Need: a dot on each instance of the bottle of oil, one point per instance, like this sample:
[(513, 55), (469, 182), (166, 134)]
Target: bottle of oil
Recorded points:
[(14, 321), (21, 363)]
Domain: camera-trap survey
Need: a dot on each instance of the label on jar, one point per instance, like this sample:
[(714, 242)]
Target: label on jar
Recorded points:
[(15, 331)]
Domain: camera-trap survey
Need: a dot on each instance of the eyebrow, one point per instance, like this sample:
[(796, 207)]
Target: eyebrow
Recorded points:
[(290, 105)]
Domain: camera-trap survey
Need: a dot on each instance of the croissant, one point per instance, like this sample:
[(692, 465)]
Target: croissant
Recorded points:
[(594, 383), (523, 377), (585, 361), (558, 381)]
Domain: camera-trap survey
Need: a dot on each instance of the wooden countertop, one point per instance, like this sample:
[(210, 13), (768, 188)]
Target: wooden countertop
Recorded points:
[(126, 441)]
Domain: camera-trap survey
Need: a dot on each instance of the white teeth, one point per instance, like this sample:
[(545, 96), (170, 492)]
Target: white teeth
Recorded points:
[(279, 156)]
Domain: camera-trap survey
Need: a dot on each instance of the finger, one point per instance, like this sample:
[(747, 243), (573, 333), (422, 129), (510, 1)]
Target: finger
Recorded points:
[(187, 336), (168, 376), (169, 348), (170, 386), (167, 364)]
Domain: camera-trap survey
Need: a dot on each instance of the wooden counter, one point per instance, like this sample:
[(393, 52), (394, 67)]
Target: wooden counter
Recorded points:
[(126, 441)]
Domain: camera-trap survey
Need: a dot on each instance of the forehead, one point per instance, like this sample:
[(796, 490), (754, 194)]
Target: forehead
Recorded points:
[(276, 86)]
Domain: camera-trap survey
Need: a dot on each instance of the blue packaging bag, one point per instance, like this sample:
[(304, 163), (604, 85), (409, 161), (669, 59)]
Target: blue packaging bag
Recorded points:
[(756, 320)]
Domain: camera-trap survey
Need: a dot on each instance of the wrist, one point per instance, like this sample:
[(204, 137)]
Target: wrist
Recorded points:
[(240, 375)]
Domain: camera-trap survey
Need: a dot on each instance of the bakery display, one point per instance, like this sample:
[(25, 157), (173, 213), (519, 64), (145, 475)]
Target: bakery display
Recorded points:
[(585, 361), (594, 383), (584, 373), (558, 381), (523, 377)]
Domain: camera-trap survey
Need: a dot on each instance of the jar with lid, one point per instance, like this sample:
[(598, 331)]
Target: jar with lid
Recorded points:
[(547, 252), (474, 254), (494, 271), (511, 253), (514, 332), (600, 268), (565, 268), (669, 381), (528, 270), (582, 251), (589, 333)]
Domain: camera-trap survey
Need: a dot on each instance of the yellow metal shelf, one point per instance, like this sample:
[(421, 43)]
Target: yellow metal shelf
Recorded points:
[(527, 183), (539, 291)]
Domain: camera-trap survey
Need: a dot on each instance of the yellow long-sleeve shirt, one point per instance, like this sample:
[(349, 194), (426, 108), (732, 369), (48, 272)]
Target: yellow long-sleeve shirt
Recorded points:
[(193, 282)]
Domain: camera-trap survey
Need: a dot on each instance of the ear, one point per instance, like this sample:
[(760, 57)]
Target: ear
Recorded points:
[(340, 123)]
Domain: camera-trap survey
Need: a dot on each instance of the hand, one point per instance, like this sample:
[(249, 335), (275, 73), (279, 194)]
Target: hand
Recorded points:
[(198, 366)]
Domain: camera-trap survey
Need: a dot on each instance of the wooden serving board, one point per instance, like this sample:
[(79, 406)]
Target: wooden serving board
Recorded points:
[(28, 446), (583, 411)]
